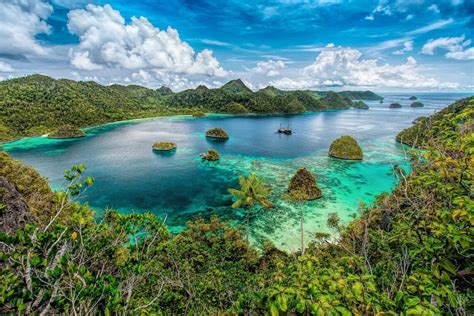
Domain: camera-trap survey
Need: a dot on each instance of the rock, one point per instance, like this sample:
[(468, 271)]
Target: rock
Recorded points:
[(211, 155), (164, 146), (395, 105), (417, 104), (412, 98), (15, 213), (345, 147), (303, 186), (360, 105), (67, 131), (217, 132)]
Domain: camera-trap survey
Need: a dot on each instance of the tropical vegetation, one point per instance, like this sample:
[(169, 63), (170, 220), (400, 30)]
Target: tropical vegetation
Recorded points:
[(410, 253), (67, 131), (345, 147), (164, 146), (56, 103), (217, 132)]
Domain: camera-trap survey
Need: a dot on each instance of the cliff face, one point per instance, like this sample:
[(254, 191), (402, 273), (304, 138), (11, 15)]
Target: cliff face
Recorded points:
[(15, 213)]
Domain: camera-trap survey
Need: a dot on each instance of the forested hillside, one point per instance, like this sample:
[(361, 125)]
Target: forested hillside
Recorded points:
[(37, 104), (410, 253)]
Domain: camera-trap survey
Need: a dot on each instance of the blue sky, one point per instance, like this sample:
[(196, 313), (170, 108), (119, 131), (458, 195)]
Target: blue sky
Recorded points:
[(292, 44)]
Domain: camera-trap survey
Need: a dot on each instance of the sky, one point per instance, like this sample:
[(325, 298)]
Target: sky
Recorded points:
[(381, 45)]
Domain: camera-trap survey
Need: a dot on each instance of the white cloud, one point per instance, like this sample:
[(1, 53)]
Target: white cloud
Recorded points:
[(106, 40), (407, 47), (343, 66), (20, 22), (5, 67), (270, 68), (456, 47), (157, 78), (383, 8), (431, 27), (434, 8), (215, 43), (81, 60), (467, 54)]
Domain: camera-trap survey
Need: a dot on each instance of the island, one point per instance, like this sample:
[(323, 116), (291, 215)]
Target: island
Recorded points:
[(360, 95), (412, 98), (164, 146), (87, 103), (345, 147), (217, 133), (417, 104), (360, 105), (67, 131), (303, 186), (395, 105), (211, 155)]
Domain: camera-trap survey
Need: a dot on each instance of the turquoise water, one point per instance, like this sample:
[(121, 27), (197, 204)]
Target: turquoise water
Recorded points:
[(131, 178)]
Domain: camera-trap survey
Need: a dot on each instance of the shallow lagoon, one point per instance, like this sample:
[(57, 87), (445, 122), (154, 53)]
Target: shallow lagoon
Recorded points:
[(130, 177)]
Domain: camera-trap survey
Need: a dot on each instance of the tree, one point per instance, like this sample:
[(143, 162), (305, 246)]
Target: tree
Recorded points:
[(252, 191), (299, 197)]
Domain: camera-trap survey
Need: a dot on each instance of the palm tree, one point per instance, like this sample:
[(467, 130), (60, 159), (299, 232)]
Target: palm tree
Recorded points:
[(252, 191)]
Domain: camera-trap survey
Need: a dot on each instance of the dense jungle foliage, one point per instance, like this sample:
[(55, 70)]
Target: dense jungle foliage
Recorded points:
[(37, 104), (409, 253)]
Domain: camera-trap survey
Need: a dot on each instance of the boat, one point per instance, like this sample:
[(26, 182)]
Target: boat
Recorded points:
[(286, 131)]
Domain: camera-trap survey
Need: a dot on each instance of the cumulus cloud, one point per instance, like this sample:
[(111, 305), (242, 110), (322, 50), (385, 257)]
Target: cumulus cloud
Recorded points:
[(5, 67), (407, 47), (270, 68), (20, 22), (344, 66), (106, 40), (456, 47), (177, 82)]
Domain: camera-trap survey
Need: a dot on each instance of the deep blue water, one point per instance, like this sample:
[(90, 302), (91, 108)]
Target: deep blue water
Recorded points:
[(132, 178)]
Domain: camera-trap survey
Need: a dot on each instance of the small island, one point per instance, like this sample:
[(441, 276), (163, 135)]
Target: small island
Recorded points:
[(345, 147), (360, 105), (303, 186), (211, 155), (164, 146), (412, 98), (395, 105), (67, 131), (417, 104), (217, 133)]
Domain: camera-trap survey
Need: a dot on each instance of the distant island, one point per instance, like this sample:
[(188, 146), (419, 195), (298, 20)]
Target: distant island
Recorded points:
[(64, 102)]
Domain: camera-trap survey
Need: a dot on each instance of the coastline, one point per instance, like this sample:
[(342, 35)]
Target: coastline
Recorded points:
[(173, 116)]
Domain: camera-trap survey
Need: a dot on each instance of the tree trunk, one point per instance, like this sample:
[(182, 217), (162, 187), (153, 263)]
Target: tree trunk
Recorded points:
[(247, 227), (302, 231)]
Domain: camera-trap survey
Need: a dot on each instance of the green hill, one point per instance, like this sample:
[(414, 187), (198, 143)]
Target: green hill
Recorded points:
[(60, 102), (235, 86), (360, 95)]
